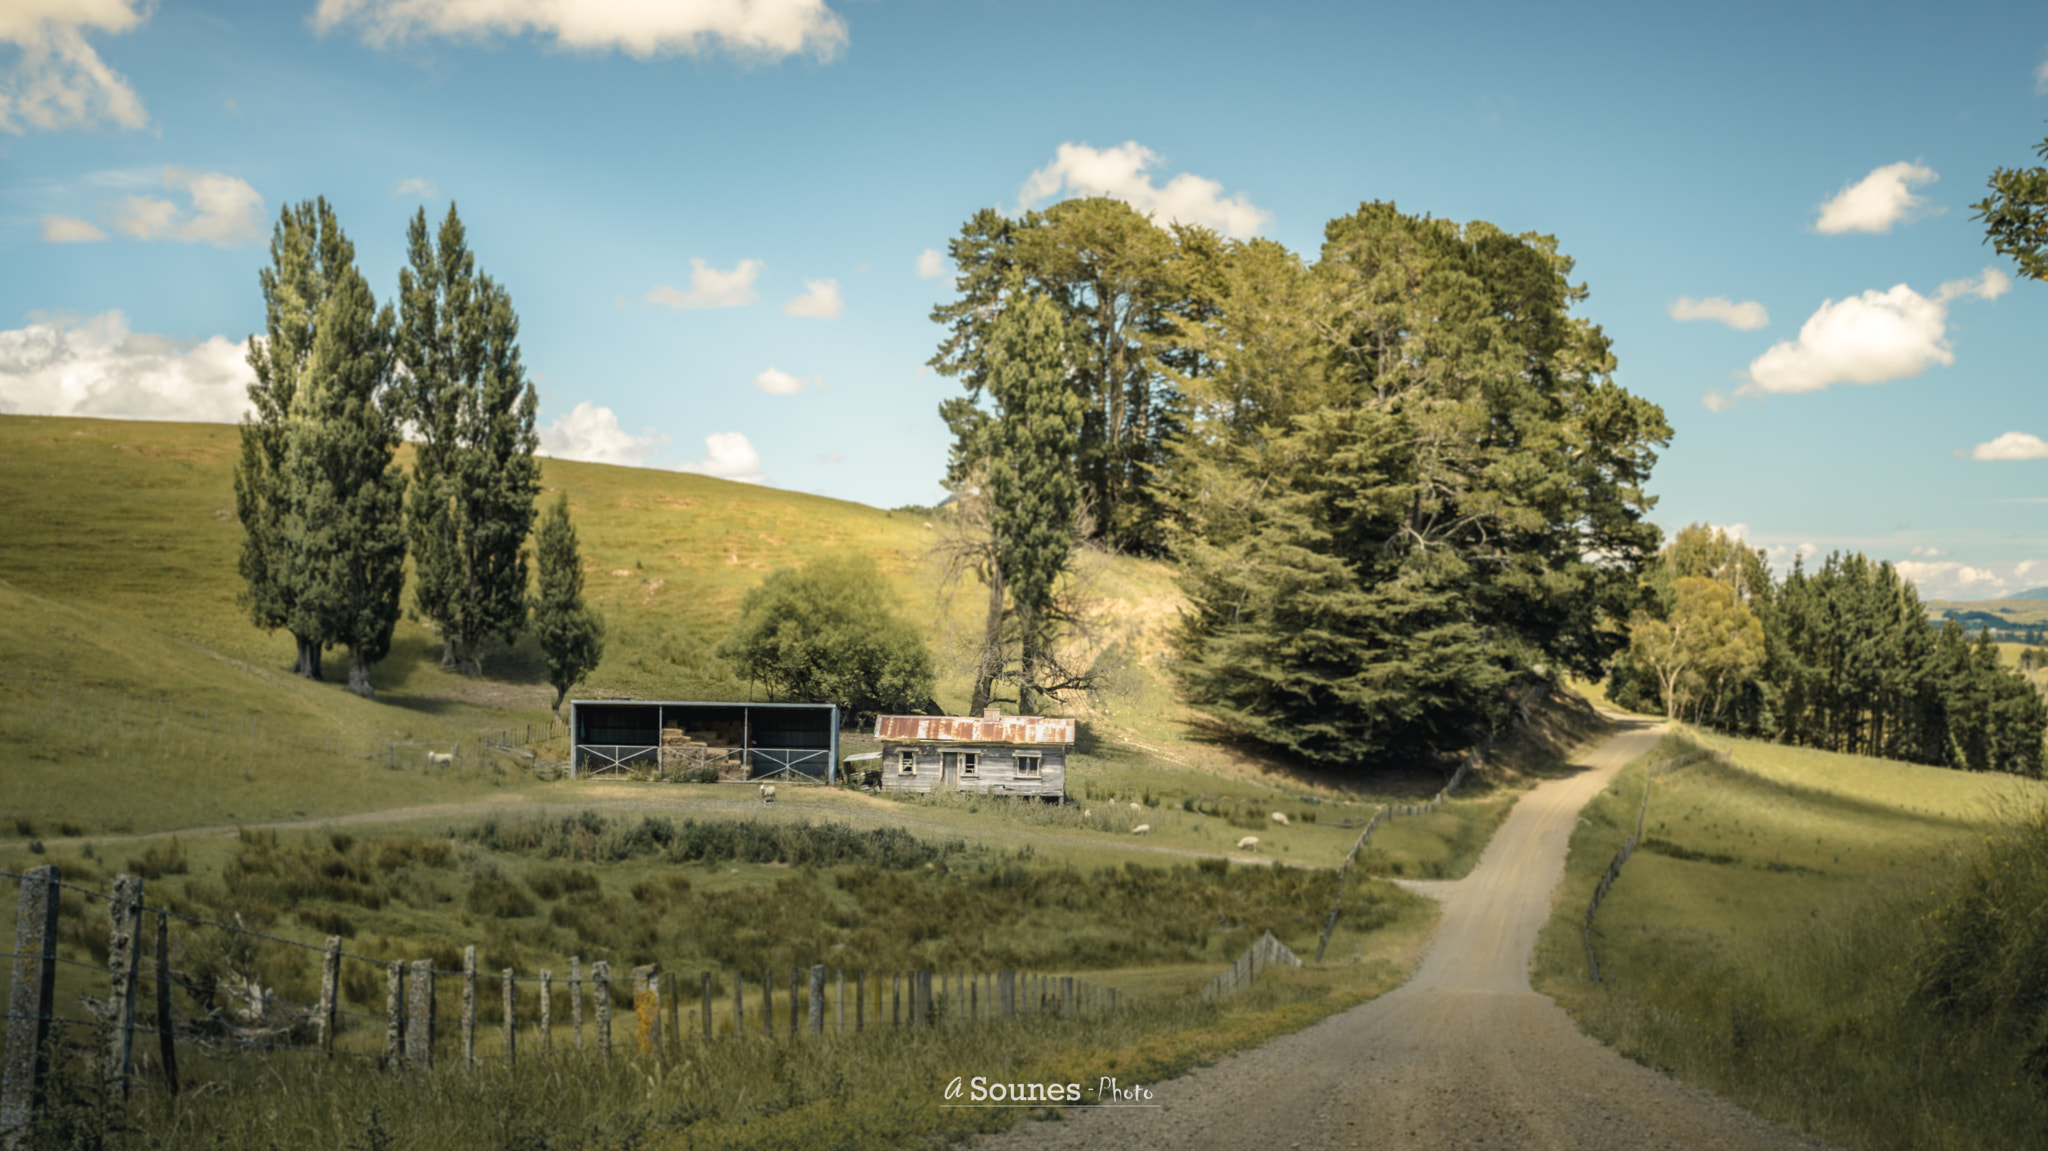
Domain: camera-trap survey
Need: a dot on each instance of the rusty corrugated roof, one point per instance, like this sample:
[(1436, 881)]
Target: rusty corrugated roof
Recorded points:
[(968, 729)]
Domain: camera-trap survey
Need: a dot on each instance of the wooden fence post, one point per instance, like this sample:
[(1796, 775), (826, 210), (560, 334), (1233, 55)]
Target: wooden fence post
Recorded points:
[(647, 1007), (330, 991), (547, 1013), (896, 1001), (860, 1000), (842, 1001), (576, 997), (675, 1012), (31, 1000), (419, 1015), (795, 982), (124, 940), (601, 986), (1006, 994), (394, 1011), (767, 1002), (468, 1009), (707, 1005), (739, 1007), (1067, 995), (511, 1017), (166, 1027), (818, 999), (921, 998)]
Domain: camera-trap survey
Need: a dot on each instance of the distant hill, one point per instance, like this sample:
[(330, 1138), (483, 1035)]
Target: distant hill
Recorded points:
[(2033, 593)]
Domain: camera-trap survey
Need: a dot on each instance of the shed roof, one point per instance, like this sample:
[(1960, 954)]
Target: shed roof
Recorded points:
[(1020, 729)]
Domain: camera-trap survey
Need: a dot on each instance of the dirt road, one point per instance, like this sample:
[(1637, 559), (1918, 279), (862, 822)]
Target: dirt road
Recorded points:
[(1463, 1055)]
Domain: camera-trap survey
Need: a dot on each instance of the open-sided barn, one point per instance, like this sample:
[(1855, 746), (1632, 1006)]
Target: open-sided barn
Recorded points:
[(672, 739), (993, 754)]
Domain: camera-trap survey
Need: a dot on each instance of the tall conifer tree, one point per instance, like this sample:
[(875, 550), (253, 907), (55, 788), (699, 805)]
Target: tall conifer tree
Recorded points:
[(475, 478), (571, 636)]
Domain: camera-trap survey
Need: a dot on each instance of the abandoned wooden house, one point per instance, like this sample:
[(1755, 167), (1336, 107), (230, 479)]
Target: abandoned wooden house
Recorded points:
[(994, 754)]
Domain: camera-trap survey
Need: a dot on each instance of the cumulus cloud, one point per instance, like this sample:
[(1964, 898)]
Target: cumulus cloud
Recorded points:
[(58, 81), (728, 456), (418, 186), (66, 230), (711, 288), (592, 434), (1947, 579), (820, 300), (1926, 553), (1121, 172), (1717, 401), (1877, 201), (222, 211), (780, 383), (761, 29), (1746, 316), (2020, 569), (1988, 284), (931, 264), (2012, 446), (97, 367)]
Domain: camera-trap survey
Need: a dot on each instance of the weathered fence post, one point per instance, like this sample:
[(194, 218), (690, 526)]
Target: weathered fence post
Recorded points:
[(419, 1015), (739, 1006), (767, 1002), (707, 1005), (601, 988), (547, 1013), (394, 1011), (124, 940), (647, 1007), (31, 1000), (842, 1001), (675, 1013), (576, 998), (1067, 995), (895, 1001), (860, 1000), (921, 998), (166, 1028), (818, 999), (1006, 994), (795, 982), (511, 1018), (330, 990), (468, 1009)]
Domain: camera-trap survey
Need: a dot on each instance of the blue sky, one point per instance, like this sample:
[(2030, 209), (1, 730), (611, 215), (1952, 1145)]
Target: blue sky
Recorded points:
[(682, 197)]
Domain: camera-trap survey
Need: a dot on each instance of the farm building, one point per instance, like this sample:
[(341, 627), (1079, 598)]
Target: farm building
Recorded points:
[(670, 740), (995, 754)]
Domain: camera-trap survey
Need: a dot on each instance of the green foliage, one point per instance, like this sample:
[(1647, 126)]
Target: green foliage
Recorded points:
[(570, 634), (474, 477), (826, 633), (1707, 646), (2015, 215)]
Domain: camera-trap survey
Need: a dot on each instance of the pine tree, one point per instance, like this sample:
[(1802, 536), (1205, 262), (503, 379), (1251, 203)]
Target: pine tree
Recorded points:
[(570, 635), (475, 478)]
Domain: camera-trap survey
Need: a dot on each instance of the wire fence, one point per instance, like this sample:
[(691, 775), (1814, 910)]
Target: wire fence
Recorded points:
[(152, 984), (1387, 812), (1629, 844)]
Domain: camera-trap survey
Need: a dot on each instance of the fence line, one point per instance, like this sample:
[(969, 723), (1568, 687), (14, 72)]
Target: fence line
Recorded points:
[(1265, 952), (1628, 845), (1387, 812)]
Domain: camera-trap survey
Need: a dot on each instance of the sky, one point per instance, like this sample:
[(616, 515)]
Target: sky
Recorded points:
[(723, 222)]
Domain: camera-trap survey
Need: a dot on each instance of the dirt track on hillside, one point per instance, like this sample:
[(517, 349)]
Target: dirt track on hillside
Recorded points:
[(1464, 1054)]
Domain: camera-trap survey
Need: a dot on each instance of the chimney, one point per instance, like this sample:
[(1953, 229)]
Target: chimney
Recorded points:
[(992, 712)]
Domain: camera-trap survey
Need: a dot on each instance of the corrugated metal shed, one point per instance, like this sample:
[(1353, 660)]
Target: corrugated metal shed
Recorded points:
[(1013, 729)]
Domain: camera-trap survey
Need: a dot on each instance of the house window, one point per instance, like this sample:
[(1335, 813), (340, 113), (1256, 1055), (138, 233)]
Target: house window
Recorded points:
[(906, 763), (960, 763), (1028, 762), (969, 760)]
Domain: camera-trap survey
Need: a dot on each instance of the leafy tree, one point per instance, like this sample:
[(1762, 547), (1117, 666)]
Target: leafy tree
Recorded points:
[(474, 474), (826, 633), (2015, 215), (1709, 643), (570, 635)]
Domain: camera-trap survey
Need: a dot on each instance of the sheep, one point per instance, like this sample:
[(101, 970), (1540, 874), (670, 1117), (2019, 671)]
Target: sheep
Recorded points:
[(1141, 829), (1137, 807), (1248, 843), (767, 793), (1280, 817), (442, 758)]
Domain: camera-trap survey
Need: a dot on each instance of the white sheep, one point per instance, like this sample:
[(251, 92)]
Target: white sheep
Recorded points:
[(1248, 843), (767, 793), (1137, 807), (1141, 829), (441, 757), (1280, 817)]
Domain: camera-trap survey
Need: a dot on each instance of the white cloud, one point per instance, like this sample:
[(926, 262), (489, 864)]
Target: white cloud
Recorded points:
[(711, 288), (1121, 172), (2012, 446), (58, 82), (1746, 316), (780, 383), (592, 434), (1877, 201), (2020, 569), (1864, 339), (765, 29), (728, 456), (224, 211), (1735, 532), (1928, 553), (1716, 401), (820, 300), (2041, 77), (66, 230), (418, 186), (1988, 284), (931, 264), (97, 367), (1948, 579)]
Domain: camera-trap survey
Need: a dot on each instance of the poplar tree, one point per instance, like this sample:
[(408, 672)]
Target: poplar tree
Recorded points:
[(474, 476), (571, 636)]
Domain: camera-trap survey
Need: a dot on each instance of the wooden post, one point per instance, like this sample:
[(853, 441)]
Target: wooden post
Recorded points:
[(124, 940), (842, 1001), (860, 1000), (1006, 994), (330, 990), (468, 1009), (31, 1000), (511, 1017), (818, 999), (920, 998), (675, 1013), (974, 999), (795, 981), (767, 1002), (547, 1013), (394, 1011), (647, 1008), (1066, 995), (419, 1015), (576, 998), (896, 1001), (739, 1007), (707, 1005), (166, 1027), (601, 987)]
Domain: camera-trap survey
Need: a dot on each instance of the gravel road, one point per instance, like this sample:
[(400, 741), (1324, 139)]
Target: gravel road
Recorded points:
[(1463, 1055)]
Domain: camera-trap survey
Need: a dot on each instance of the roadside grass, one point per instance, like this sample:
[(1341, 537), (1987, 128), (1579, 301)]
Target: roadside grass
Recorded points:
[(1770, 938)]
